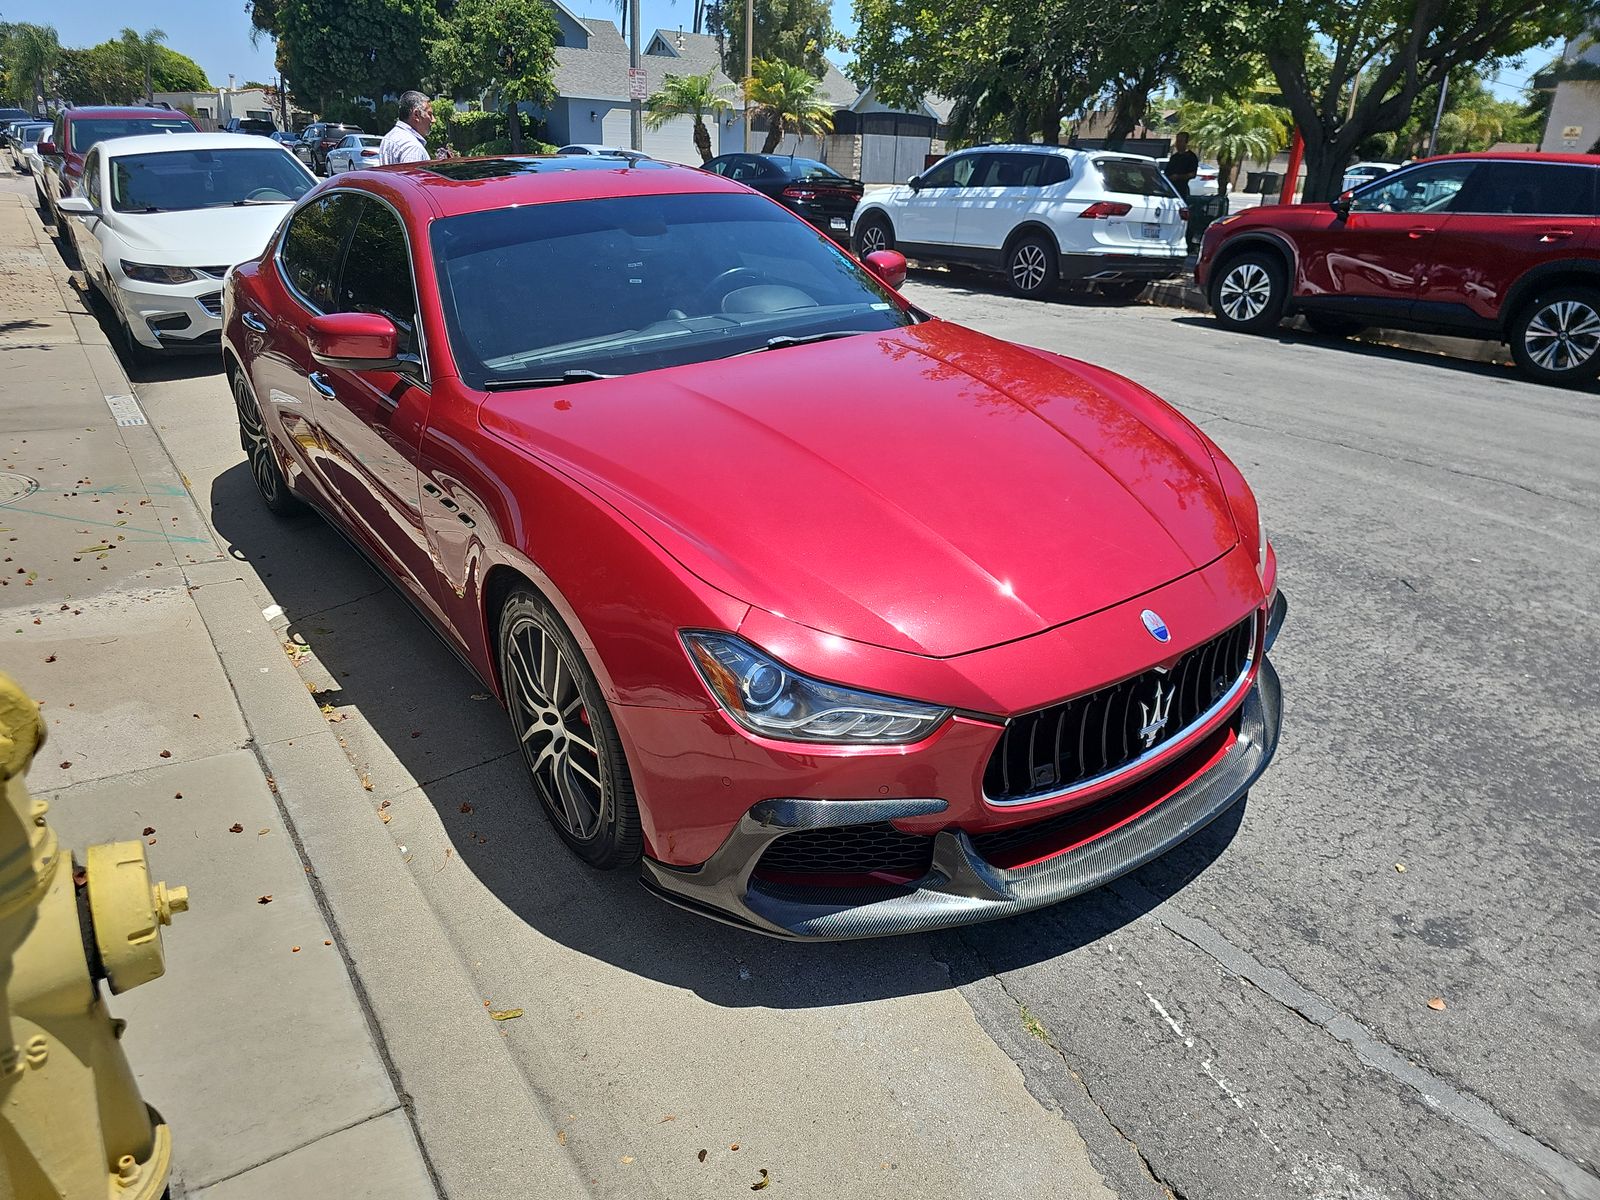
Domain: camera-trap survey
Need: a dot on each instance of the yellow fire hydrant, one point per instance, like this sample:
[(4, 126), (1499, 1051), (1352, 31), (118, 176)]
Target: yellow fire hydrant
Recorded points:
[(72, 1123)]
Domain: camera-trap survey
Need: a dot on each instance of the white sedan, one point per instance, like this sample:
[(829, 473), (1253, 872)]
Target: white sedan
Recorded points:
[(159, 220), (356, 151)]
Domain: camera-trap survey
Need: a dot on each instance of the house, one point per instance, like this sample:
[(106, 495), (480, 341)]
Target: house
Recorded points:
[(214, 108), (1574, 122)]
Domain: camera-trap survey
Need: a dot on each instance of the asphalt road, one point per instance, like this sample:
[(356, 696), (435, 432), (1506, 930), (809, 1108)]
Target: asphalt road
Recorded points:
[(1248, 1017)]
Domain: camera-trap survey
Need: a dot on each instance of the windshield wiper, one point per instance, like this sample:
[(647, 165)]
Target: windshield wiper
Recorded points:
[(511, 385), (785, 340)]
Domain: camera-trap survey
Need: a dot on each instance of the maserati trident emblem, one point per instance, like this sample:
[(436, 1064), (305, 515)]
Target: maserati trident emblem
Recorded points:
[(1155, 716), (1157, 627)]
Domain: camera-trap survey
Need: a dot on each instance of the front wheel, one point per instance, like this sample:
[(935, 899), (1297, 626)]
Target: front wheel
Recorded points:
[(1249, 293), (1556, 338), (1031, 266), (873, 234), (569, 740)]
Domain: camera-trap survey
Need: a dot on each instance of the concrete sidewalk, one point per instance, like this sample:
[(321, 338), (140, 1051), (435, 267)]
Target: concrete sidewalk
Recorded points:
[(286, 1045)]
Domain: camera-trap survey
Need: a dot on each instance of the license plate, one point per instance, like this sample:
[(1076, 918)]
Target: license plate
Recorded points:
[(838, 223), (1152, 230)]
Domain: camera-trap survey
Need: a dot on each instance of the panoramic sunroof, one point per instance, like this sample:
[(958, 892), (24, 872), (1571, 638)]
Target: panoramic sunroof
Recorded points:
[(499, 168)]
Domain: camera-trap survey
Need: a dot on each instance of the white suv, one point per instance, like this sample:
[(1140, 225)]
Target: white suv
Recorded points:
[(1039, 213)]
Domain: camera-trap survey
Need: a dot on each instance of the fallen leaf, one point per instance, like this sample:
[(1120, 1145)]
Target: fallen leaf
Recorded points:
[(668, 1117), (177, 795), (626, 1159), (384, 817), (151, 842), (366, 782), (326, 942), (65, 765), (506, 1014), (236, 828), (294, 949), (166, 754), (416, 733), (385, 804), (701, 1156), (1401, 867), (262, 831), (762, 1182), (735, 1146), (267, 899), (51, 659), (561, 1137), (465, 807), (148, 830), (1437, 1004)]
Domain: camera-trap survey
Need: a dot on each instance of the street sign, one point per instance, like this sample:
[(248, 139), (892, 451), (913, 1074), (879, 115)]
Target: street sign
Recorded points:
[(638, 87), (1572, 131)]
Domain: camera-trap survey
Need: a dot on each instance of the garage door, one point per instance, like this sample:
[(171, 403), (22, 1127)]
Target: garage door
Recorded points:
[(673, 142)]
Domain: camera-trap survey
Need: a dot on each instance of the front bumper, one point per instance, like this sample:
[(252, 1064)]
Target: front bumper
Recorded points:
[(179, 317), (962, 887)]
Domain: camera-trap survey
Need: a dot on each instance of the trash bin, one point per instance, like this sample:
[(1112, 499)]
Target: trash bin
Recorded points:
[(1202, 211), (1252, 182), (1271, 181)]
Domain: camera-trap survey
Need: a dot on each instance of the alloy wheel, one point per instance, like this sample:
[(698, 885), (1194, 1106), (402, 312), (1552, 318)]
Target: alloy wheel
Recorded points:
[(1028, 267), (552, 723), (1563, 335), (873, 238), (253, 437), (1245, 291)]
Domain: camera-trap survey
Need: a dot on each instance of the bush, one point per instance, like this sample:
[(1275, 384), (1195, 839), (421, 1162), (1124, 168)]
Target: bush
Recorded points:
[(474, 132)]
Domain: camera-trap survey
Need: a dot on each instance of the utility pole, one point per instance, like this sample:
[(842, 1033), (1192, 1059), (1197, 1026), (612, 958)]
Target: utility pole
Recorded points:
[(1438, 115), (635, 102), (749, 45)]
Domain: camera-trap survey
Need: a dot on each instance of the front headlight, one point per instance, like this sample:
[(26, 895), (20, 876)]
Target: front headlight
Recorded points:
[(144, 273), (769, 699)]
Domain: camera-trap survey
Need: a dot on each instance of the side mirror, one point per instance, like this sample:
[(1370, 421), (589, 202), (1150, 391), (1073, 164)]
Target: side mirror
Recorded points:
[(354, 341), (77, 205), (889, 266), (48, 149), (915, 183), (1342, 204)]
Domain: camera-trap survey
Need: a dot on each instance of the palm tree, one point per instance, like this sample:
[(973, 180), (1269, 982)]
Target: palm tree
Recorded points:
[(689, 96), (787, 96), (141, 53), (1234, 131), (33, 51)]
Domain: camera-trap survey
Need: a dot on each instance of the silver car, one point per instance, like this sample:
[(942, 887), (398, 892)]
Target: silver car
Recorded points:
[(357, 150), (23, 143)]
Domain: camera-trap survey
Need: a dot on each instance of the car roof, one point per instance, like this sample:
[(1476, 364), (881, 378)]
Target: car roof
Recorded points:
[(1024, 147), (1583, 160), (156, 143), (464, 185)]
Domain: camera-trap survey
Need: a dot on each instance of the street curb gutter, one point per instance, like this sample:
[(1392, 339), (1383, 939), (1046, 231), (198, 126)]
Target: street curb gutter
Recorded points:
[(482, 1133)]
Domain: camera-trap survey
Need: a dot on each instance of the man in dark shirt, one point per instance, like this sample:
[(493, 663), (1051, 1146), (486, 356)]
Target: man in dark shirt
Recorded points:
[(1183, 165)]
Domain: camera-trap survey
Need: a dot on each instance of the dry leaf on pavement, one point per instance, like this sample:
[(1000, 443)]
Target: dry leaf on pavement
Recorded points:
[(236, 828), (506, 1014), (1437, 1004), (267, 899), (701, 1156), (762, 1182), (148, 830), (561, 1137)]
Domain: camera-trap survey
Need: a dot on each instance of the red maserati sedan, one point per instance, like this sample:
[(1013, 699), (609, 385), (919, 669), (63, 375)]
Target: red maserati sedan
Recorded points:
[(833, 618)]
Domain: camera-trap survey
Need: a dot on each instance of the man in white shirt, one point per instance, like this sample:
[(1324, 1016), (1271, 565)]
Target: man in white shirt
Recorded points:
[(407, 141)]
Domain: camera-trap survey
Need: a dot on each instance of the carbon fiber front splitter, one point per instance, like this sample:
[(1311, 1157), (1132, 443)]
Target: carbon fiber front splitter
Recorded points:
[(961, 887)]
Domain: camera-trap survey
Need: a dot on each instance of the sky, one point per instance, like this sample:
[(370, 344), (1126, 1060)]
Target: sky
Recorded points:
[(216, 33)]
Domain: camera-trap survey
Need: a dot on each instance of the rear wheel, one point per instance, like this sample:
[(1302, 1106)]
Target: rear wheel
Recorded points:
[(1329, 325), (569, 741), (1249, 293), (1031, 266), (274, 489), (873, 233), (1556, 338)]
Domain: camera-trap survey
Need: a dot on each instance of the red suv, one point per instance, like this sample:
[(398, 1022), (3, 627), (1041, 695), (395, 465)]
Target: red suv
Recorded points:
[(1497, 246), (77, 129)]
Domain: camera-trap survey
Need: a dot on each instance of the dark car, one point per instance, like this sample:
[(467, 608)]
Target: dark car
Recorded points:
[(256, 125), (812, 189), (10, 115), (320, 137), (1498, 246)]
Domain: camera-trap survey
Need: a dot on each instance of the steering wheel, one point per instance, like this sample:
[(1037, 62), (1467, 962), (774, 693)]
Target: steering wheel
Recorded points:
[(721, 285), (266, 193)]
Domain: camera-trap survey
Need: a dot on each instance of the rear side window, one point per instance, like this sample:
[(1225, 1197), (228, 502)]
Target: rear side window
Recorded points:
[(1055, 171), (377, 273), (1529, 190), (1011, 171), (1127, 177), (313, 245)]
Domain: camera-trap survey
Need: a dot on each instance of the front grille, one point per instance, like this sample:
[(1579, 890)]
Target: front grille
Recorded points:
[(211, 302), (848, 850), (1092, 735)]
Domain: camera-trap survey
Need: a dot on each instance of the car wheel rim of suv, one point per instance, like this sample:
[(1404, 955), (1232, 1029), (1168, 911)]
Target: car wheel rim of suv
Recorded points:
[(1563, 335), (1245, 291), (1028, 266), (254, 432), (873, 239), (552, 724)]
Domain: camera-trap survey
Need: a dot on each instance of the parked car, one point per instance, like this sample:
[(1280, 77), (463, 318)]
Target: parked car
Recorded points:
[(1204, 182), (859, 657), (1359, 173), (810, 189), (605, 151), (9, 116), (1041, 214), (321, 137), (355, 151), (160, 220), (286, 138), (260, 126), (23, 138), (78, 130), (1496, 246)]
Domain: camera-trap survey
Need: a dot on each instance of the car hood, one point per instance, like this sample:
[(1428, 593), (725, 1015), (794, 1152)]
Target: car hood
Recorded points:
[(929, 489), (200, 237)]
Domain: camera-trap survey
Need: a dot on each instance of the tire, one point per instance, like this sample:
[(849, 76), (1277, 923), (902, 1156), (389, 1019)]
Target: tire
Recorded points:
[(1123, 290), (1555, 338), (1031, 268), (1249, 292), (569, 740), (873, 233), (1329, 325), (263, 459)]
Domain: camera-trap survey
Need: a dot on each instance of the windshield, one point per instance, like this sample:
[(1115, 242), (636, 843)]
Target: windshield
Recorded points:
[(30, 134), (176, 180), (88, 133), (630, 284)]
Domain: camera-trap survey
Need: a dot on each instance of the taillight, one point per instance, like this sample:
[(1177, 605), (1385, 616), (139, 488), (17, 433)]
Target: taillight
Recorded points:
[(328, 144), (1101, 209), (799, 193), (374, 154)]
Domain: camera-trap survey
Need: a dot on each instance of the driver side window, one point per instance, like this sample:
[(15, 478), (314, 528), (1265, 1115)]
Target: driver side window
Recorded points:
[(1424, 189), (952, 172)]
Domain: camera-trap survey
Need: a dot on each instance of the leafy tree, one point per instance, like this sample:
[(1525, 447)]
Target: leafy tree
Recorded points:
[(141, 49), (790, 31), (1235, 131), (349, 48), (174, 72), (689, 96), (31, 54), (504, 46), (788, 97)]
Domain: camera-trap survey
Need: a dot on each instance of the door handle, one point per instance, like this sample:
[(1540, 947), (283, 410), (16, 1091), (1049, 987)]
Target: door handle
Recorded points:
[(320, 382), (1556, 235), (253, 322), (1417, 231)]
